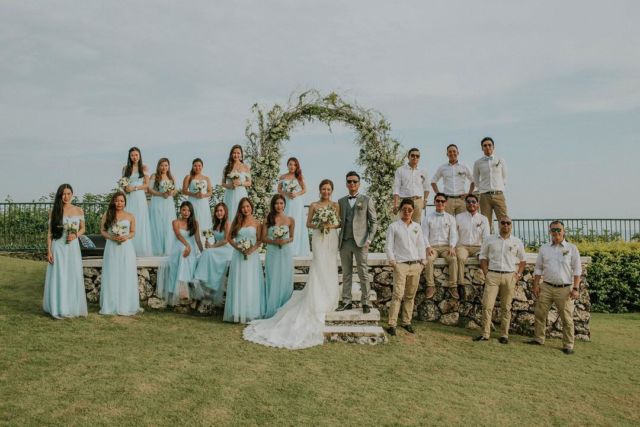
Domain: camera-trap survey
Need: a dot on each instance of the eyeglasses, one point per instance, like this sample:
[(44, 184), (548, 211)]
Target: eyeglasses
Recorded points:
[(472, 202), (505, 222), (415, 156), (440, 201), (556, 230), (352, 181)]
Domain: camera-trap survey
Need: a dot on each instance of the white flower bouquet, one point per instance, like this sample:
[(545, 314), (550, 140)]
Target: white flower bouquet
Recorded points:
[(208, 234), (291, 186), (244, 245), (71, 228), (323, 218), (234, 175), (124, 182), (118, 230), (280, 232), (166, 186), (201, 186)]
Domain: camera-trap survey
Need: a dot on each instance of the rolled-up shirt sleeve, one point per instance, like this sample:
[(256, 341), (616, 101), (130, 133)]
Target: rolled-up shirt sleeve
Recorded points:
[(396, 182), (425, 231), (484, 250), (388, 246), (436, 176), (576, 265), (504, 173), (520, 254), (453, 234), (539, 263)]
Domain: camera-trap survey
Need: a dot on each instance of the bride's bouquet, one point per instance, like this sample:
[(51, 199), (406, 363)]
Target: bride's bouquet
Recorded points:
[(124, 182), (280, 232), (201, 186), (71, 228), (323, 218), (118, 230), (166, 186), (291, 186), (244, 244)]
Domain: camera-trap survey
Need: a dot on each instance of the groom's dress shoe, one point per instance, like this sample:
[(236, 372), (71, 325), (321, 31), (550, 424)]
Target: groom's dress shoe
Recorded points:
[(480, 338), (409, 329), (366, 309), (343, 307), (391, 330)]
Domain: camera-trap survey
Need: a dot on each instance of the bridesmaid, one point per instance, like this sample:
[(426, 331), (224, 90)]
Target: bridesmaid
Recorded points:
[(236, 177), (64, 282), (278, 233), (291, 185), (198, 188), (119, 288), (162, 210), (175, 275), (213, 263), (136, 172), (245, 290)]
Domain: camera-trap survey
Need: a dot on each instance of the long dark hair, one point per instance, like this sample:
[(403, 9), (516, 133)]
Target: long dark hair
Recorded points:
[(57, 212), (220, 224), (271, 217), (298, 172), (229, 167), (129, 168), (192, 224), (236, 225), (156, 183), (111, 210), (192, 174)]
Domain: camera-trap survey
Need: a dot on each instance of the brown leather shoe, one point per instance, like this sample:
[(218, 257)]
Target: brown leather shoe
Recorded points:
[(454, 293), (431, 291)]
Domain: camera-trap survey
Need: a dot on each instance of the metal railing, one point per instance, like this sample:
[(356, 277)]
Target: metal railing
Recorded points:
[(23, 226)]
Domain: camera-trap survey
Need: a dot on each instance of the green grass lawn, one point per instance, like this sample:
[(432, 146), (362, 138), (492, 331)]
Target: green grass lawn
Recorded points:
[(162, 368)]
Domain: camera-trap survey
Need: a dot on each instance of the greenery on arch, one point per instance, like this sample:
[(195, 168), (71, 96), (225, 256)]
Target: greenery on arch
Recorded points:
[(379, 152)]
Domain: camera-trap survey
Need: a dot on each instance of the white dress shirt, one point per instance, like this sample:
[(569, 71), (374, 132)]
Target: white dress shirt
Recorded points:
[(404, 242), (558, 263), (352, 199), (439, 229), (472, 229), (503, 254), (410, 182), (490, 174), (453, 177)]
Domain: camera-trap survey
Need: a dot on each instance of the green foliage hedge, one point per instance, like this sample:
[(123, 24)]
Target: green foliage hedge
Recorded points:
[(613, 276)]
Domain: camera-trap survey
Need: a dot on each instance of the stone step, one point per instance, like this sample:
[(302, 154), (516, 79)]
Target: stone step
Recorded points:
[(355, 334), (353, 317)]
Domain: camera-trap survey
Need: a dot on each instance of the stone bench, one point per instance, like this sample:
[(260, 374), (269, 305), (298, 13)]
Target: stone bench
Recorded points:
[(466, 313)]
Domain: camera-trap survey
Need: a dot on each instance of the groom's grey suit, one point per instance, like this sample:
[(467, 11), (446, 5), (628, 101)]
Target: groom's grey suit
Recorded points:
[(358, 226)]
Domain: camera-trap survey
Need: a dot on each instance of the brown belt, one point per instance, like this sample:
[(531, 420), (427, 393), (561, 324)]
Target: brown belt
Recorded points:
[(491, 193), (461, 196), (564, 285)]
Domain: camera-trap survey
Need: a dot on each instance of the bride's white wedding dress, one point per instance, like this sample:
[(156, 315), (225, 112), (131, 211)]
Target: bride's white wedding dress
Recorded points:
[(300, 322)]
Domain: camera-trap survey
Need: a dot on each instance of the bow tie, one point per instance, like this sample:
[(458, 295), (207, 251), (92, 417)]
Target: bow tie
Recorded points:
[(439, 213), (352, 197), (488, 157)]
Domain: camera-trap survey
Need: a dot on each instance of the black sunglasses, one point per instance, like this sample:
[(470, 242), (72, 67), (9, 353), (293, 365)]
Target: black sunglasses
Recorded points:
[(505, 222), (352, 181), (440, 201), (556, 230)]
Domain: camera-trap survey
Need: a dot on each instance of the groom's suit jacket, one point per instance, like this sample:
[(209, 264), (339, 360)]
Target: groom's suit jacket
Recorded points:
[(365, 221)]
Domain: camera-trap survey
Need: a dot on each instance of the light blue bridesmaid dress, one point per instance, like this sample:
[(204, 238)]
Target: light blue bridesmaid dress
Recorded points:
[(119, 287), (295, 209), (175, 274), (162, 212), (137, 205), (278, 267), (201, 208), (233, 197), (212, 266), (245, 288), (64, 294)]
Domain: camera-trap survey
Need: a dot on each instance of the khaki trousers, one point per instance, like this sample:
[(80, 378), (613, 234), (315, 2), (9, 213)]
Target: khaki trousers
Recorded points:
[(493, 203), (442, 252), (564, 303), (462, 254), (503, 284), (455, 206), (406, 279)]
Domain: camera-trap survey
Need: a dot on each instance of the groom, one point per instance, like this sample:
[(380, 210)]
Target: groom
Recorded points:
[(358, 227)]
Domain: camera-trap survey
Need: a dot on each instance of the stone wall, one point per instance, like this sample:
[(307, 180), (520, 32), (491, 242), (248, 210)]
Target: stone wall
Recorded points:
[(443, 309)]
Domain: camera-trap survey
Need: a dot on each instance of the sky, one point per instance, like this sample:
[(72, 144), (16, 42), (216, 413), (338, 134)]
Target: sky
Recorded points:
[(556, 84)]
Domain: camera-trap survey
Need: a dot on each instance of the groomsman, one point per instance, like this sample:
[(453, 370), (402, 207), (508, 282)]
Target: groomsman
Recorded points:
[(473, 228), (440, 238), (412, 183), (558, 267), (405, 251), (499, 256), (454, 176), (359, 224), (490, 178)]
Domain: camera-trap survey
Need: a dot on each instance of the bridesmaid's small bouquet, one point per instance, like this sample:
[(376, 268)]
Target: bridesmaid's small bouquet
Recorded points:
[(124, 182), (291, 186), (280, 232), (244, 244), (71, 228), (208, 234), (234, 175), (323, 218), (167, 186), (201, 186), (118, 230)]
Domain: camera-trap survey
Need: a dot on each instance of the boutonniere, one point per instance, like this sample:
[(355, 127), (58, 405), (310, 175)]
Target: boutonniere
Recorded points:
[(512, 248), (461, 173), (359, 205), (565, 253), (497, 163), (422, 177), (415, 230), (479, 224)]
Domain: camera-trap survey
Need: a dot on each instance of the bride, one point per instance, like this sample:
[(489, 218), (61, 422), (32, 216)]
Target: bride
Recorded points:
[(300, 322)]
